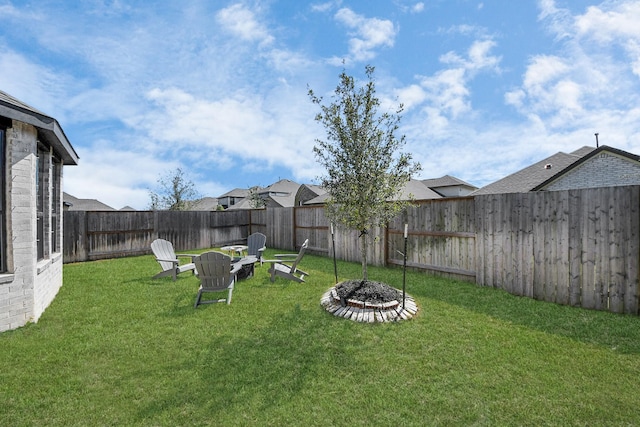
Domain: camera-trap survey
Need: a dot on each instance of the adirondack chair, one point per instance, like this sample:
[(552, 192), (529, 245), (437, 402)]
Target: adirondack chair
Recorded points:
[(290, 272), (168, 259), (256, 246), (216, 274)]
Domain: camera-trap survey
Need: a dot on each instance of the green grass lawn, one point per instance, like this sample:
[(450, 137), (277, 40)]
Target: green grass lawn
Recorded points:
[(118, 348)]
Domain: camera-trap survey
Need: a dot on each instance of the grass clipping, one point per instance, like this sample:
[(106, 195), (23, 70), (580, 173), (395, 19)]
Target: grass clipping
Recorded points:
[(367, 291)]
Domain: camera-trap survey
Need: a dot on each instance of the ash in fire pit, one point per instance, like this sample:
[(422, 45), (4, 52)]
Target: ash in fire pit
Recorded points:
[(367, 291)]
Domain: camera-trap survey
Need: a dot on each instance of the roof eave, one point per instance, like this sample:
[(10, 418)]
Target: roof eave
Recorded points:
[(48, 127)]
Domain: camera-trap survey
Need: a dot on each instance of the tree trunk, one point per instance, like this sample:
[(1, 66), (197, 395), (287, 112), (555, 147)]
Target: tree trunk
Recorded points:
[(363, 254)]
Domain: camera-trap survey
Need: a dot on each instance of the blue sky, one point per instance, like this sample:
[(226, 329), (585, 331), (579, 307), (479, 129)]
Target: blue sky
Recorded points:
[(219, 88)]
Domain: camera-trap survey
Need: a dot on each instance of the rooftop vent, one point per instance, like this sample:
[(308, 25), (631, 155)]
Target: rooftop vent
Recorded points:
[(547, 166)]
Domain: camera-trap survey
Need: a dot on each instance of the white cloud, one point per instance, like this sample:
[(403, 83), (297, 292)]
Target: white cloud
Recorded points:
[(446, 93), (242, 22), (617, 26), (268, 130), (325, 7), (604, 26), (411, 96), (368, 34), (585, 84), (543, 69), (417, 8), (35, 84), (124, 179)]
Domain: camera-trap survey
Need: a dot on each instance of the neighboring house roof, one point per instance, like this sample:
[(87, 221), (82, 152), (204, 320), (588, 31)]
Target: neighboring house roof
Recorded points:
[(236, 192), (449, 186), (280, 194), (416, 190), (127, 208), (527, 179), (242, 204), (602, 167), (320, 200), (205, 204), (308, 192), (76, 204), (414, 187), (48, 128)]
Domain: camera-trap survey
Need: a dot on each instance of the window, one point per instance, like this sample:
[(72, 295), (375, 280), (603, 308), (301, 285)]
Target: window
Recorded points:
[(48, 193), (43, 174), (56, 176), (3, 245)]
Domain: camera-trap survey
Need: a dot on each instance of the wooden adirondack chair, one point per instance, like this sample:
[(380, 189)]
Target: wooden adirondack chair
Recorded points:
[(168, 259), (290, 272), (216, 274)]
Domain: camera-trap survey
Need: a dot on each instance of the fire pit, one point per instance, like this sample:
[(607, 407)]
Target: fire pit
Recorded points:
[(383, 303)]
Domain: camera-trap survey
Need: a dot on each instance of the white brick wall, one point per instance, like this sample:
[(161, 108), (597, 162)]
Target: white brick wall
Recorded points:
[(29, 287), (604, 170)]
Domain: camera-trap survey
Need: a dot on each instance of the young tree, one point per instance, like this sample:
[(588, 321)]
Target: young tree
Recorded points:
[(364, 170), (255, 201), (176, 192)]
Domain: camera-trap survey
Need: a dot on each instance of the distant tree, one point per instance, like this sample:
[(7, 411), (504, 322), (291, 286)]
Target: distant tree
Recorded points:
[(364, 172), (255, 201), (175, 192)]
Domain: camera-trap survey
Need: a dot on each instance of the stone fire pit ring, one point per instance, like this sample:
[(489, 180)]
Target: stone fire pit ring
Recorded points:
[(360, 311)]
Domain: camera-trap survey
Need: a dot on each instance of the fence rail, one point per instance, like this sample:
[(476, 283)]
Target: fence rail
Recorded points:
[(575, 247)]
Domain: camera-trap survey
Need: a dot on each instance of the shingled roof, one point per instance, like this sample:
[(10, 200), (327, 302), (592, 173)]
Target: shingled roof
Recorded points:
[(76, 204), (529, 178)]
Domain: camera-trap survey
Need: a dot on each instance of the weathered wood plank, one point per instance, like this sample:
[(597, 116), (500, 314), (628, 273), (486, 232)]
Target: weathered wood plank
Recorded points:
[(577, 222)]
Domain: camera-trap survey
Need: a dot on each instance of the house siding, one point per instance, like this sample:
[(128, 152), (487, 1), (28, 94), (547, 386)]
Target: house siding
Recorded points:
[(604, 170)]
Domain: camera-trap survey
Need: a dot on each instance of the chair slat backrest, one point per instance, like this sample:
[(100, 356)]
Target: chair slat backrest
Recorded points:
[(214, 270), (255, 242), (299, 257), (163, 250)]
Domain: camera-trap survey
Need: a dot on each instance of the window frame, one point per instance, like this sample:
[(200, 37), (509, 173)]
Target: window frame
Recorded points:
[(56, 203), (3, 197), (43, 172)]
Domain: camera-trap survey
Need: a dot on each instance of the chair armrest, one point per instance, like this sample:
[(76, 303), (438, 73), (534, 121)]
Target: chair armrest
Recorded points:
[(284, 256), (175, 261), (187, 255), (235, 268), (276, 261)]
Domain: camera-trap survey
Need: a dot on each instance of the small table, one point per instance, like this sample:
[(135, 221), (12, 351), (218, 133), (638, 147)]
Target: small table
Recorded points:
[(238, 249), (247, 266)]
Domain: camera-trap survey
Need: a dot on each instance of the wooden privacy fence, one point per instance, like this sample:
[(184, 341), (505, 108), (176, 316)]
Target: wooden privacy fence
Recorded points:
[(107, 234), (576, 247)]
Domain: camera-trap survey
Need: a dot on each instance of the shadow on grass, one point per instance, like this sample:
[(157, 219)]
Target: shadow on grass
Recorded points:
[(257, 373), (618, 332)]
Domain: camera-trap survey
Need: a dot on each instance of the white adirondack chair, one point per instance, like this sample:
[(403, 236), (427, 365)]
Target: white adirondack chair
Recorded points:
[(168, 259), (290, 272)]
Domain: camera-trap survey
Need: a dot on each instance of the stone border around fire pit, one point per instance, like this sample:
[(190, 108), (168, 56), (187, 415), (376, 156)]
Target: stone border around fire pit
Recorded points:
[(360, 311)]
